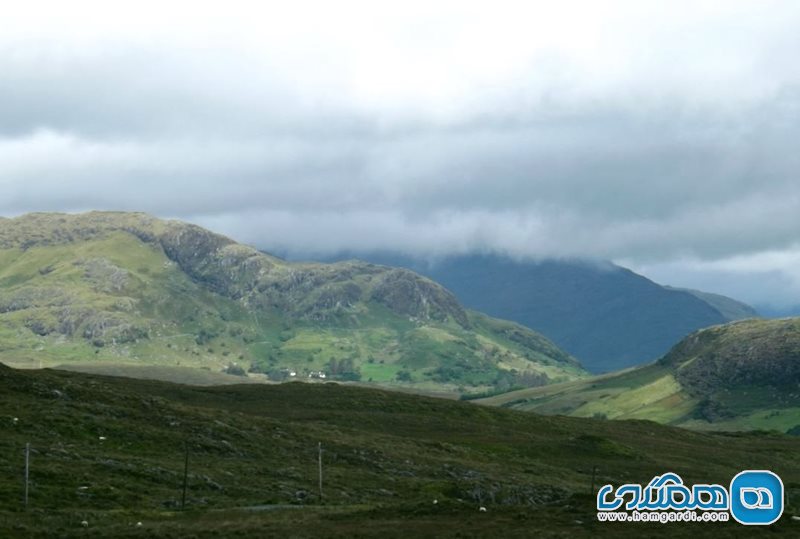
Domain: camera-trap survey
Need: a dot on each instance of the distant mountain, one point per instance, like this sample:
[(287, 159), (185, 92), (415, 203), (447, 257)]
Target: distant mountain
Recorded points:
[(742, 375), (127, 289), (730, 308), (605, 315), (772, 311)]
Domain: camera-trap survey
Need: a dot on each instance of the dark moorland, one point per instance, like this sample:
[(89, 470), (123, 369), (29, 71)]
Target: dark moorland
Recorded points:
[(110, 451)]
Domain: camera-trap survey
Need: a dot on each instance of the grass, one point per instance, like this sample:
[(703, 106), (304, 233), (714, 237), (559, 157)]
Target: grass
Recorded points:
[(182, 375), (386, 457), (378, 372)]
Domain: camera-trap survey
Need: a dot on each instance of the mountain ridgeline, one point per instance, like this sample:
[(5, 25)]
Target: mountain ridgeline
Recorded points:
[(129, 289), (738, 376), (606, 316)]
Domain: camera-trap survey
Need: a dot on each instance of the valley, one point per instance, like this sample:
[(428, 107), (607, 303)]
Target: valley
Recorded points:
[(738, 376)]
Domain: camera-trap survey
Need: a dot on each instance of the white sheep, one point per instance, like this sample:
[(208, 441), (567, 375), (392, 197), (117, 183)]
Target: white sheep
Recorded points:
[(482, 509), (84, 524)]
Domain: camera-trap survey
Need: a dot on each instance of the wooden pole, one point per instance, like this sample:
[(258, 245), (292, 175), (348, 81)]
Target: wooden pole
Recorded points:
[(185, 475), (594, 473), (27, 470), (319, 448)]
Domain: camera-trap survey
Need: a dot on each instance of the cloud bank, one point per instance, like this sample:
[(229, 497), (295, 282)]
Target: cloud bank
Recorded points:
[(661, 134)]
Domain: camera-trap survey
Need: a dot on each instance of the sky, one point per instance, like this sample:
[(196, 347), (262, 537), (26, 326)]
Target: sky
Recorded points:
[(660, 135)]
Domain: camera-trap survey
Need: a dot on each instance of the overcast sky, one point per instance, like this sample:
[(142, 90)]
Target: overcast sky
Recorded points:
[(661, 135)]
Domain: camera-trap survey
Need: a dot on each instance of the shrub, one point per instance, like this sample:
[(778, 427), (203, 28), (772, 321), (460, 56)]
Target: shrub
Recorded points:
[(235, 369)]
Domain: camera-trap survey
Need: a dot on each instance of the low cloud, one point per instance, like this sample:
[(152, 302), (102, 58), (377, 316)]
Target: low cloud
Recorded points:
[(663, 137)]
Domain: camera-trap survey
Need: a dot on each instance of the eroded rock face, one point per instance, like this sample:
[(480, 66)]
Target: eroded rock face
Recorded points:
[(258, 280), (313, 291), (104, 275), (407, 293), (239, 272)]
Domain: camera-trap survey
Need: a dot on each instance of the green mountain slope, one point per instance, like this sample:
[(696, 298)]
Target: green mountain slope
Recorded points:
[(130, 289), (110, 451), (742, 375), (606, 316)]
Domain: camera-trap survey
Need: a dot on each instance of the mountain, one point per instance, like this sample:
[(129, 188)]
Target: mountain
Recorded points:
[(738, 376), (127, 289), (730, 308), (111, 452), (605, 315), (772, 311)]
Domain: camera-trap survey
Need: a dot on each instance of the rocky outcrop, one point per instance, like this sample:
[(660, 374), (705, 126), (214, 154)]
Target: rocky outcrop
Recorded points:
[(750, 352)]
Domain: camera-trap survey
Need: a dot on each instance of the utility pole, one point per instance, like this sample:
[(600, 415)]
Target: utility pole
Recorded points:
[(319, 448), (27, 470), (185, 475), (594, 473)]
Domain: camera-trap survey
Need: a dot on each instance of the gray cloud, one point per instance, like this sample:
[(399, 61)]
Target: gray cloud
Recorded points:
[(656, 138)]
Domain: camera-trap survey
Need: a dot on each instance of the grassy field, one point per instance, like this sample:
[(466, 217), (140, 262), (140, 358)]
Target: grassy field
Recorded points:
[(649, 392), (111, 451)]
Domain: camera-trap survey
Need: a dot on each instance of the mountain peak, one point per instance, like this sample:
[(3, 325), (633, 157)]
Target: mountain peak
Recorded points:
[(129, 287)]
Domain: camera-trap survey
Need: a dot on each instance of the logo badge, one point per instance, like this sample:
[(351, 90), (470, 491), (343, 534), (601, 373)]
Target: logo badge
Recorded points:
[(756, 497)]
